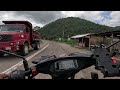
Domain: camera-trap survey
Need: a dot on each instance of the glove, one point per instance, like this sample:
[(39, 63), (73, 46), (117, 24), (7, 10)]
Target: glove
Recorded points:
[(3, 76), (17, 74)]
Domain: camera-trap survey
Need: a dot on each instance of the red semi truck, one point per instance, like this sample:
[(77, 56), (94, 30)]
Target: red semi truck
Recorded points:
[(18, 36)]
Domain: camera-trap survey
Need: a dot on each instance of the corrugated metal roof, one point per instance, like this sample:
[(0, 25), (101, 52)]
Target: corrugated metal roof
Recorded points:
[(82, 35)]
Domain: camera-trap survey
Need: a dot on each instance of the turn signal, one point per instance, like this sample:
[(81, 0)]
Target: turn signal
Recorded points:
[(114, 59), (34, 72)]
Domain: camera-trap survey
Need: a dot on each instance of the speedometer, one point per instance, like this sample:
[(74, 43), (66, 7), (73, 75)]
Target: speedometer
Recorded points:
[(66, 65)]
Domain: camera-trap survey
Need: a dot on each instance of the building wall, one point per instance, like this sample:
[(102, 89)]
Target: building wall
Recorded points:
[(94, 40), (85, 42)]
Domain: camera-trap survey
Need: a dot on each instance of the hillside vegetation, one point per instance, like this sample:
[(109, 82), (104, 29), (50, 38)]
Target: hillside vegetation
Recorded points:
[(67, 27)]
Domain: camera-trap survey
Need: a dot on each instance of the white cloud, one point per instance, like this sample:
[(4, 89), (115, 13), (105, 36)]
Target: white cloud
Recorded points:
[(88, 15), (11, 16), (40, 18), (114, 19)]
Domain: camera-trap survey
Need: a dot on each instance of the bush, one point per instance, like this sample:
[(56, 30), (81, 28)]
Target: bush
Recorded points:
[(71, 42)]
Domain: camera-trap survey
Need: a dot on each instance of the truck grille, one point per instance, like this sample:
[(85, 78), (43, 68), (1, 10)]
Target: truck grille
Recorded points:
[(4, 38)]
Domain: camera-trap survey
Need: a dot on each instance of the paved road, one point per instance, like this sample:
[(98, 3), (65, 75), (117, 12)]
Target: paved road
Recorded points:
[(53, 48), (8, 61)]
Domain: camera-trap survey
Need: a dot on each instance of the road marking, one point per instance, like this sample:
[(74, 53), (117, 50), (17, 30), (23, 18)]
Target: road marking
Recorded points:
[(21, 62)]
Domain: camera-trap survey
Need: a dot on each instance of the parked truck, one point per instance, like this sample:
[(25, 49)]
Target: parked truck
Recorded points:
[(18, 36)]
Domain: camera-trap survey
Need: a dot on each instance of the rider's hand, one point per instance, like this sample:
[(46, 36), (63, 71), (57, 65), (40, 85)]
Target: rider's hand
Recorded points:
[(3, 76), (17, 74)]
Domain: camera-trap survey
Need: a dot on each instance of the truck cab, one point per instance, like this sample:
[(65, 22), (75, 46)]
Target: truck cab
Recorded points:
[(18, 36)]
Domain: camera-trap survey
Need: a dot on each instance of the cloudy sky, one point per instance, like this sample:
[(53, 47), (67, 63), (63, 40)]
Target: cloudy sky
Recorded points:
[(41, 18)]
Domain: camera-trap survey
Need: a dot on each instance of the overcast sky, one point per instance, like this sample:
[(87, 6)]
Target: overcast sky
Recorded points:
[(41, 18)]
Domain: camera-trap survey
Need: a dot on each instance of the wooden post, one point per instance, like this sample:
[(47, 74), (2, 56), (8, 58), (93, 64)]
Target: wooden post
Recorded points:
[(82, 42), (103, 39), (89, 41), (111, 43)]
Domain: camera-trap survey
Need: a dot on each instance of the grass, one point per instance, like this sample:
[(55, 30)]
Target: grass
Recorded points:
[(71, 42)]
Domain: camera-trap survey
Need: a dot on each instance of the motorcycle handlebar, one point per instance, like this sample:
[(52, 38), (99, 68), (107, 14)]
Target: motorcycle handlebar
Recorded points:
[(22, 74)]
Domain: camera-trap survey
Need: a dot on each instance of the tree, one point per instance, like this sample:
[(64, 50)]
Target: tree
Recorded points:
[(36, 28)]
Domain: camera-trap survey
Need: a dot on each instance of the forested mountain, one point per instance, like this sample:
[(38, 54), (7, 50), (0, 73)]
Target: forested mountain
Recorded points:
[(67, 27)]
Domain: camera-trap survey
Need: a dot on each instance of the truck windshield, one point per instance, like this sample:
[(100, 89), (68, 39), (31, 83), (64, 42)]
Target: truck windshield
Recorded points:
[(11, 28)]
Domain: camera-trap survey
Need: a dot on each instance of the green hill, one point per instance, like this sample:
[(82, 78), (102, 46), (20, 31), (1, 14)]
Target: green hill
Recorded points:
[(71, 26)]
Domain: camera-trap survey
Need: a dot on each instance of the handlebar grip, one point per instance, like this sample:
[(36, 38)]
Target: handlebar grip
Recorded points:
[(17, 74), (27, 73), (20, 74)]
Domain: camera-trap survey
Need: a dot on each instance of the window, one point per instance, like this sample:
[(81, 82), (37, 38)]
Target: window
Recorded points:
[(27, 29)]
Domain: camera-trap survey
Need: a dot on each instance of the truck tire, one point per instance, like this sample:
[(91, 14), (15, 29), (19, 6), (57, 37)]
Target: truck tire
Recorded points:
[(37, 46), (1, 54), (24, 49)]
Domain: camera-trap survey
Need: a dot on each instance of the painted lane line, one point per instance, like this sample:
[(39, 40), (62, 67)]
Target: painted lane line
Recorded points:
[(30, 57), (21, 62)]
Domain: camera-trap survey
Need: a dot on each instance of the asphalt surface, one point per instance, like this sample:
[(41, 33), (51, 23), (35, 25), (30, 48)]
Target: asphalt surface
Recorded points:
[(8, 61), (54, 48)]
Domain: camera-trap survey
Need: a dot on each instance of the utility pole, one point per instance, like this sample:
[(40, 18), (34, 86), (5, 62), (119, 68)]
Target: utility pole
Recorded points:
[(63, 34)]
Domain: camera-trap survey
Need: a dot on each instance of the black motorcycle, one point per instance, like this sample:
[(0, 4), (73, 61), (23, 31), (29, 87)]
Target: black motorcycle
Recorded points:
[(66, 67)]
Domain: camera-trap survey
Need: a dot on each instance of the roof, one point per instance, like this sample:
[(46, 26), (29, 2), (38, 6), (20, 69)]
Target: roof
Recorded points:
[(115, 33), (81, 35)]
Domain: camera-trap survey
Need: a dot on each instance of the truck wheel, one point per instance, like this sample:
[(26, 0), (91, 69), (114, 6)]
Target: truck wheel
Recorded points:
[(1, 54), (24, 49), (37, 46)]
